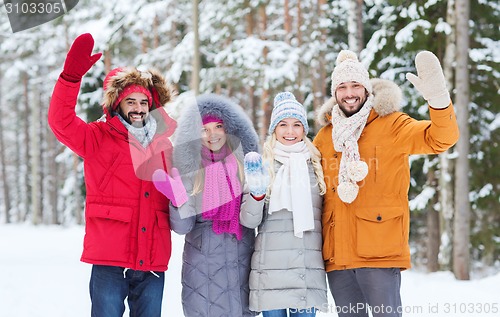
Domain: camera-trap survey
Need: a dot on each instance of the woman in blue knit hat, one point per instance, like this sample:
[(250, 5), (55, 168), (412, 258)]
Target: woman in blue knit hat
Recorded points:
[(287, 271)]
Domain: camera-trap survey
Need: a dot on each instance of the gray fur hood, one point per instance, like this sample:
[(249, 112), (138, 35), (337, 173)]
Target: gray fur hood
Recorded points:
[(187, 139), (387, 97)]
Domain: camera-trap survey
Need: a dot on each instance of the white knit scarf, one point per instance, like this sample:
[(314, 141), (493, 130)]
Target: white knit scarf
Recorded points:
[(291, 189), (345, 134)]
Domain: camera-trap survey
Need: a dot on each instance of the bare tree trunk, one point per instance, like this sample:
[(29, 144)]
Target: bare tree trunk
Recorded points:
[(26, 124), (316, 91), (195, 79), (52, 179), (319, 73), (35, 162), (300, 20), (447, 209), (446, 165), (40, 137), (5, 182), (461, 238), (252, 99), (432, 240), (19, 189), (249, 18), (288, 21), (156, 38), (355, 25), (144, 42), (107, 61), (265, 104), (301, 72), (432, 227)]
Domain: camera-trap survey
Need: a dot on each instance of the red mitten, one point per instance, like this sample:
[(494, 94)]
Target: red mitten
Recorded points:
[(78, 61)]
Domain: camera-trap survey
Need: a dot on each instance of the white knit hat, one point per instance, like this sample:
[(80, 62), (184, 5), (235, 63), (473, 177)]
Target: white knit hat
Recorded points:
[(286, 106), (349, 69)]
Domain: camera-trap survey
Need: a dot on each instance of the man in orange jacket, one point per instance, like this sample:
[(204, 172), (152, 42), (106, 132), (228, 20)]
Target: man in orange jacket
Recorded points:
[(365, 145)]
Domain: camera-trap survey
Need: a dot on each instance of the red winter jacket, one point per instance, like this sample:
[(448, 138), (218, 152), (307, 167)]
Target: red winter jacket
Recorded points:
[(126, 217)]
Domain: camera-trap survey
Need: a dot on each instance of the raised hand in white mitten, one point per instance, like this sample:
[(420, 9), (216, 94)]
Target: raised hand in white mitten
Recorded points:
[(256, 175), (430, 81)]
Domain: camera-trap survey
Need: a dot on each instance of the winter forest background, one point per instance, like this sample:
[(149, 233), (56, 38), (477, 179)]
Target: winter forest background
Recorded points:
[(250, 50)]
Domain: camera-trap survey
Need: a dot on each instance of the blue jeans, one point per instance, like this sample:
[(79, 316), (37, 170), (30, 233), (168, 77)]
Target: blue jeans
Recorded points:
[(357, 291), (109, 286), (294, 312)]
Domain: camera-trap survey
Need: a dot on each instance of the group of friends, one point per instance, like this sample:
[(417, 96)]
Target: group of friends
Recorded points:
[(267, 229)]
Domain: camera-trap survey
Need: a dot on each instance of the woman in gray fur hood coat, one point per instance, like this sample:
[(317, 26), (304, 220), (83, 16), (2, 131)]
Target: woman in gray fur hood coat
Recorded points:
[(217, 249)]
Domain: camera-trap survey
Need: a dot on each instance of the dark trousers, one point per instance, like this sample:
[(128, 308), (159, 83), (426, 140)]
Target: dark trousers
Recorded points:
[(111, 285), (356, 291)]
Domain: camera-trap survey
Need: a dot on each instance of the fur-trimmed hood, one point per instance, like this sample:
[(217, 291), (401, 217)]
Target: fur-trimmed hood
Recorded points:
[(187, 139), (387, 97), (119, 78)]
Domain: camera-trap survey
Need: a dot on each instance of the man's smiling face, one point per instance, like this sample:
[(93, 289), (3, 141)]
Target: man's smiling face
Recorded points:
[(134, 108), (351, 96)]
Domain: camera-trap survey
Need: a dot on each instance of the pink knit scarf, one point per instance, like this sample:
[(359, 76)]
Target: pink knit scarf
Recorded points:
[(222, 191)]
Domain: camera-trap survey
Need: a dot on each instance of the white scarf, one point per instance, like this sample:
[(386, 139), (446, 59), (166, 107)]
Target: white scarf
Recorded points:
[(291, 189), (345, 134)]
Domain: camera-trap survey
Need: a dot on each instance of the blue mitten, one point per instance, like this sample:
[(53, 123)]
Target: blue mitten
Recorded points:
[(256, 174)]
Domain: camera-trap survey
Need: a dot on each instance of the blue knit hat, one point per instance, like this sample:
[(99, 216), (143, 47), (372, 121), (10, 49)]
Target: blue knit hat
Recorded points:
[(286, 106)]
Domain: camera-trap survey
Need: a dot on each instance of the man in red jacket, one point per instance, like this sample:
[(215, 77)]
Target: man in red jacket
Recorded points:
[(127, 234)]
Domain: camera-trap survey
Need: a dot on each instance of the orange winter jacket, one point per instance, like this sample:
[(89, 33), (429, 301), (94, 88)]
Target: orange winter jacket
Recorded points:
[(373, 230)]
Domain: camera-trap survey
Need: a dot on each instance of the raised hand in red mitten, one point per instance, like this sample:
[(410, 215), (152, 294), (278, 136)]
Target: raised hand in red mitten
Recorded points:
[(78, 61)]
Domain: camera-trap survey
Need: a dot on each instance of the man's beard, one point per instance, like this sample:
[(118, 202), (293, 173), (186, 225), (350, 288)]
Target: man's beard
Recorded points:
[(348, 112), (128, 118)]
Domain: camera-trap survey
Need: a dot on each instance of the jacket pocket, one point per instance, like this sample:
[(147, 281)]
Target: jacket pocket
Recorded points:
[(107, 235), (110, 172), (162, 244), (195, 238), (379, 233)]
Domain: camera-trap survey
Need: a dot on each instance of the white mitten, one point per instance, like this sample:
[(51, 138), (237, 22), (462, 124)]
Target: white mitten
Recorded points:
[(256, 174), (430, 81)]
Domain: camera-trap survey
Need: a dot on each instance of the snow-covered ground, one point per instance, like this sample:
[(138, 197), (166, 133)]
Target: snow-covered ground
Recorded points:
[(41, 276)]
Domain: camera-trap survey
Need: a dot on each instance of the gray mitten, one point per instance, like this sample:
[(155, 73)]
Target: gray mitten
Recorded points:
[(430, 81), (256, 175)]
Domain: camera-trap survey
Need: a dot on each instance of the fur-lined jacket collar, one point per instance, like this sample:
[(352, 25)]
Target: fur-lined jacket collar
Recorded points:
[(387, 98), (187, 139)]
